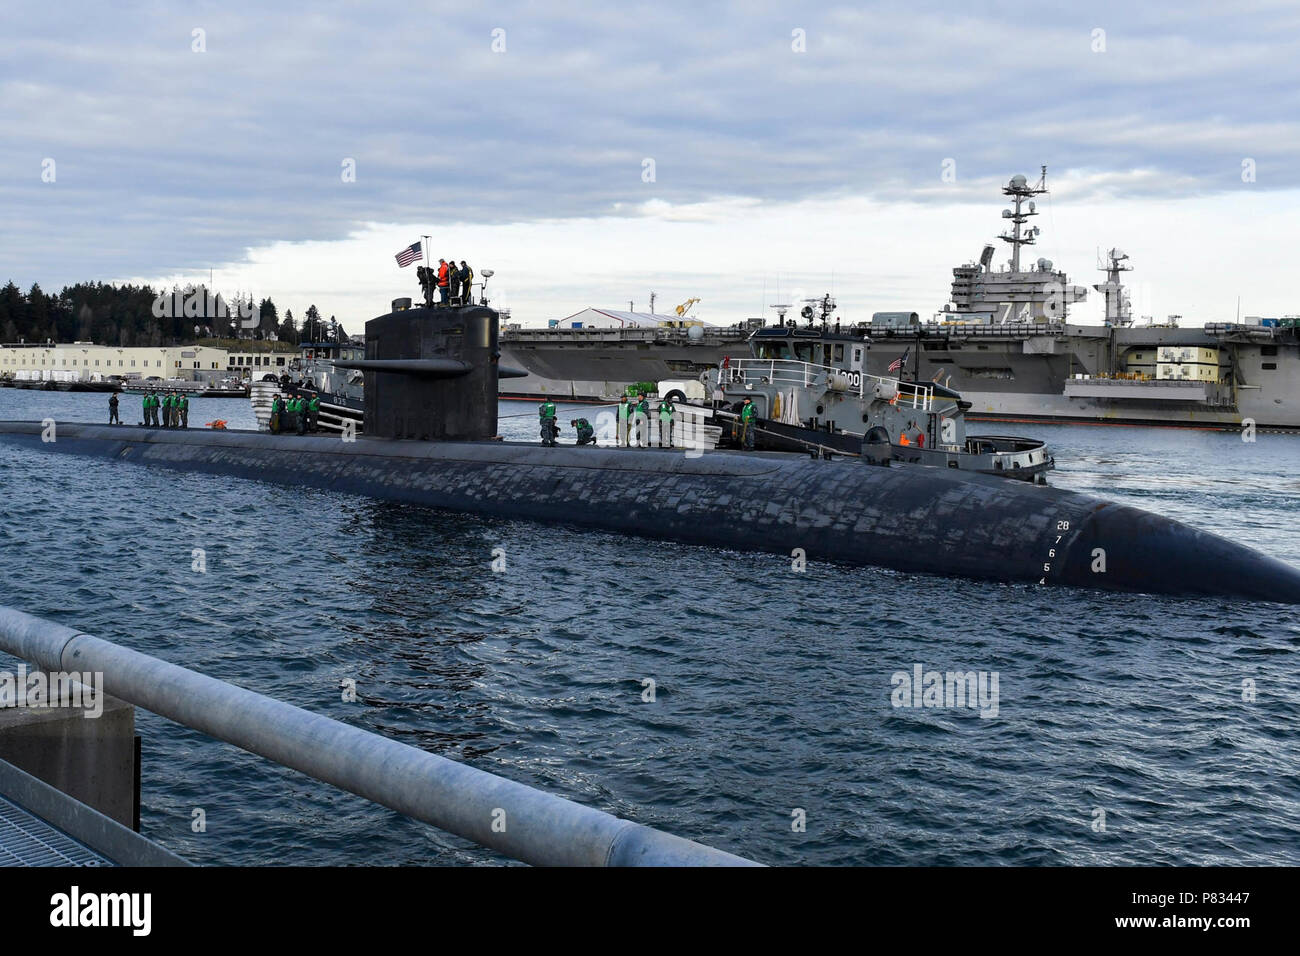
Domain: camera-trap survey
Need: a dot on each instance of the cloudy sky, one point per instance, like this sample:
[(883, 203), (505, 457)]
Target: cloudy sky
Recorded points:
[(793, 146)]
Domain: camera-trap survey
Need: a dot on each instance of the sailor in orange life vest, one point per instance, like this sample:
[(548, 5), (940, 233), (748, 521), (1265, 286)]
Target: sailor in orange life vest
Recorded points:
[(442, 281)]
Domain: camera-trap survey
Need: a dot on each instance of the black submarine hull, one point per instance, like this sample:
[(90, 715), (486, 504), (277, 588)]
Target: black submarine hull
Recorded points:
[(908, 518)]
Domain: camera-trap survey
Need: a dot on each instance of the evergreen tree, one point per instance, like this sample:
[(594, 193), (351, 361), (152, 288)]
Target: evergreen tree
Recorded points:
[(127, 315), (39, 316), (311, 331), (287, 332), (268, 319), (13, 312)]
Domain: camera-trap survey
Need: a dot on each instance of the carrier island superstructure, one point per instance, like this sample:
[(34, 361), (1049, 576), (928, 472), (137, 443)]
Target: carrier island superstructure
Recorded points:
[(1006, 341)]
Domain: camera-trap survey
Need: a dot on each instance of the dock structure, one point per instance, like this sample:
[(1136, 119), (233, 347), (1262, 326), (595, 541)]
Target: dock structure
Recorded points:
[(514, 819), (40, 825)]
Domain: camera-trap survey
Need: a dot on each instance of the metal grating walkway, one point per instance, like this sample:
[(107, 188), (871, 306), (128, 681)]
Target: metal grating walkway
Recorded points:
[(26, 840)]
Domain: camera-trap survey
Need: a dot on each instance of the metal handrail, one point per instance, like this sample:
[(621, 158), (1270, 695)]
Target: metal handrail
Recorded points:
[(780, 372), (514, 819)]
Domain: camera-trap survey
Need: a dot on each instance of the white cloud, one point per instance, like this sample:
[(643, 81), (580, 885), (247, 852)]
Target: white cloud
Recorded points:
[(1192, 256), (170, 161)]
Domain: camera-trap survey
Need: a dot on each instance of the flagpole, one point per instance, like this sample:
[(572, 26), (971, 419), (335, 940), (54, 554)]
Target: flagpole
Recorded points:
[(428, 264)]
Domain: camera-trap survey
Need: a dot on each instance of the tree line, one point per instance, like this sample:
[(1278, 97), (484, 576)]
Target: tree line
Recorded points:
[(130, 316)]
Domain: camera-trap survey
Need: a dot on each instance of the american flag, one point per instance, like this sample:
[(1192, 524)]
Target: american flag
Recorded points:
[(410, 254), (897, 363)]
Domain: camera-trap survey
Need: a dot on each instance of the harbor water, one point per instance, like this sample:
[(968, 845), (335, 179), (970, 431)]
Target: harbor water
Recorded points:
[(726, 697)]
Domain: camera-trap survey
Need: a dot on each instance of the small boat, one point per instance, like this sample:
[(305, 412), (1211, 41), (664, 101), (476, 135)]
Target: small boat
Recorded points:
[(313, 374), (810, 394)]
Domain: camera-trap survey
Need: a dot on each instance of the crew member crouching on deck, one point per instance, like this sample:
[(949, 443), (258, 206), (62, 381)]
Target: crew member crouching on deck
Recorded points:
[(586, 434)]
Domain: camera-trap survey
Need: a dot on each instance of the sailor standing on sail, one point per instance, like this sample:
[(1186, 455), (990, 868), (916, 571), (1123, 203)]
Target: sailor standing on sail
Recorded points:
[(443, 270), (466, 276), (428, 282)]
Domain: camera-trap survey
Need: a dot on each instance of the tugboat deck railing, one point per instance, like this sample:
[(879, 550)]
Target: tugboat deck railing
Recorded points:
[(784, 373)]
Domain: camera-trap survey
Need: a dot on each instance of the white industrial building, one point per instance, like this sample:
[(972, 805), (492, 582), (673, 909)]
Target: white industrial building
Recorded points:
[(87, 362)]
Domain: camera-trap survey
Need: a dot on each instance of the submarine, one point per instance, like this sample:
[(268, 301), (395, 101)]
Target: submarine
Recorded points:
[(431, 423)]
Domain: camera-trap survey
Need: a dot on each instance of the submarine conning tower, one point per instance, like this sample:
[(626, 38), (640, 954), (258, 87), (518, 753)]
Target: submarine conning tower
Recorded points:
[(431, 373)]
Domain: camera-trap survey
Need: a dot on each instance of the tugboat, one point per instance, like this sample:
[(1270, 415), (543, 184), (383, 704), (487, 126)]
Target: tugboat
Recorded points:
[(312, 373), (810, 393)]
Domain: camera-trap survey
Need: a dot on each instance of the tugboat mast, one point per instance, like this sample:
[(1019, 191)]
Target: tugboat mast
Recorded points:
[(1019, 190)]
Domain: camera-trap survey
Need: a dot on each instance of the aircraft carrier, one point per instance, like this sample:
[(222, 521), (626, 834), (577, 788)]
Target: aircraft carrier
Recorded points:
[(597, 365), (1004, 341)]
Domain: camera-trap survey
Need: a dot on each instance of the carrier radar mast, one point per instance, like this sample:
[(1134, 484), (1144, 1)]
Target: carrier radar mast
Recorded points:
[(1118, 309), (1019, 190)]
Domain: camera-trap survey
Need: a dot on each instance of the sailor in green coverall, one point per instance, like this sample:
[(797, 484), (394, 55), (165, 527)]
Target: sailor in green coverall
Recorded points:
[(146, 408), (747, 424), (642, 416), (183, 409), (586, 434), (623, 437), (666, 412), (313, 412), (550, 430)]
